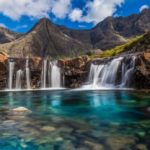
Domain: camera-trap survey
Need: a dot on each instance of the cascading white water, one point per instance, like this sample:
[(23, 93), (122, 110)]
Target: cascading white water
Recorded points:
[(44, 74), (95, 72), (27, 69), (110, 72), (106, 75), (55, 75), (51, 75), (19, 76), (11, 74), (127, 73)]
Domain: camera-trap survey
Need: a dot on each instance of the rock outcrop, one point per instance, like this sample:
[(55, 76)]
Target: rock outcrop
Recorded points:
[(3, 71), (75, 71), (142, 72)]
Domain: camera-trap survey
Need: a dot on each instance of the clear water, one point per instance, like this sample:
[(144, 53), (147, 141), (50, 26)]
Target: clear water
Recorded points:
[(75, 120)]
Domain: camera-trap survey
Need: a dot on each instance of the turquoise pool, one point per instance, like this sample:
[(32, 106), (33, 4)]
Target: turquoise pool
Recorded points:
[(75, 120)]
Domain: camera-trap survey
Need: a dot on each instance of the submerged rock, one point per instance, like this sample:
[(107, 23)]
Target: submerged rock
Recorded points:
[(48, 128), (94, 146), (141, 147), (20, 110), (120, 142)]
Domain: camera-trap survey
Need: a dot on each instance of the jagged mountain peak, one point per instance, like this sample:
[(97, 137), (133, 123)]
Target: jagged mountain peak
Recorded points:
[(48, 39)]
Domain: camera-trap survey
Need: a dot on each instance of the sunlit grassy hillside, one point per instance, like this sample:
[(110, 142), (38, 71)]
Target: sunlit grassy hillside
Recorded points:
[(119, 49)]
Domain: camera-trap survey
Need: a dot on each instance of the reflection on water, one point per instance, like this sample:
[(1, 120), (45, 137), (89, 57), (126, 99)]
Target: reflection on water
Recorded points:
[(84, 120)]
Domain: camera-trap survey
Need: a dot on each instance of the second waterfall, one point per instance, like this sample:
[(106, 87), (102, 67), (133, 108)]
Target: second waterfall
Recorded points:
[(51, 76), (117, 73)]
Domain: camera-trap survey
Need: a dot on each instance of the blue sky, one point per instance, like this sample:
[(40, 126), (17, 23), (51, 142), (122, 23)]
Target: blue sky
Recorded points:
[(21, 15)]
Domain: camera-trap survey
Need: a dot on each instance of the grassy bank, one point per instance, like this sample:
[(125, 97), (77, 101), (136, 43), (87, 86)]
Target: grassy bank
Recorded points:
[(118, 49)]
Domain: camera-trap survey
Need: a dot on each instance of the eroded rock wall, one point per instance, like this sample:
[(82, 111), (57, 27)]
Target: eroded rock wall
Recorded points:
[(75, 70)]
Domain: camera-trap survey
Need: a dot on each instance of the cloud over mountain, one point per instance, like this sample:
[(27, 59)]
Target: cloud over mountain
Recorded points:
[(15, 9), (93, 10), (90, 11), (143, 7)]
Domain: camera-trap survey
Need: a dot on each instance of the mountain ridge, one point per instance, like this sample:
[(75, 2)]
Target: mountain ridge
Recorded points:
[(7, 36), (47, 39)]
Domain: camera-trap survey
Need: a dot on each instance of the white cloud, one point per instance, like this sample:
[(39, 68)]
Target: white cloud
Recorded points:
[(15, 9), (76, 14), (3, 25), (94, 11), (97, 10), (143, 7), (61, 8)]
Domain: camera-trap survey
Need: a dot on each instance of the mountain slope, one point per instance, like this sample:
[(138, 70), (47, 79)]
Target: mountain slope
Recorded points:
[(44, 40), (7, 35), (137, 45), (113, 31)]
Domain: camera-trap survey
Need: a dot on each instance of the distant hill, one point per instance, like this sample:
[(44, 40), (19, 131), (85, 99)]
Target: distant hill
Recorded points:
[(113, 31), (7, 35), (46, 39)]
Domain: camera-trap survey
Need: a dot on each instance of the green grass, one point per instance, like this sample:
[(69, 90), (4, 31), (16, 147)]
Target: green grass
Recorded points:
[(119, 49)]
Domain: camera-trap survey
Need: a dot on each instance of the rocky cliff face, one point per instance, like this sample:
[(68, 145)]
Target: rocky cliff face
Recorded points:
[(76, 71), (73, 70), (142, 71), (3, 71)]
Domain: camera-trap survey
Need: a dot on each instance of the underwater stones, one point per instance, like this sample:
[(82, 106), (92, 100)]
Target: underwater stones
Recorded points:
[(141, 134), (6, 134), (67, 145), (141, 147), (9, 123), (65, 129), (20, 110), (120, 142), (94, 146), (48, 128), (28, 138), (23, 144), (59, 139)]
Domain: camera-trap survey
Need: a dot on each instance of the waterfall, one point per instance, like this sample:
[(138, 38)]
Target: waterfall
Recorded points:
[(127, 73), (51, 75), (11, 74), (19, 76), (112, 74), (94, 74), (55, 75), (27, 70), (44, 74)]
